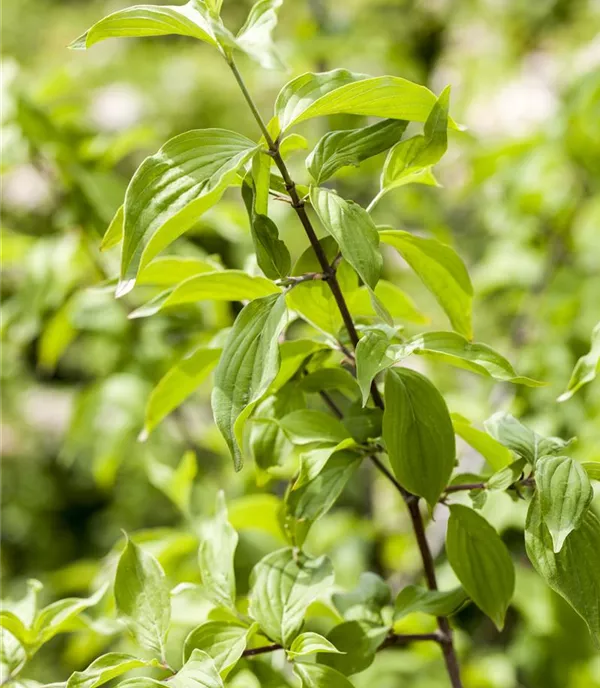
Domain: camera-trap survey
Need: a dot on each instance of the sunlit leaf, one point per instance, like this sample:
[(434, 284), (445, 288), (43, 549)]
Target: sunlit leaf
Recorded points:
[(254, 38), (496, 454), (223, 641), (320, 676), (586, 368), (107, 667), (310, 643), (413, 599)]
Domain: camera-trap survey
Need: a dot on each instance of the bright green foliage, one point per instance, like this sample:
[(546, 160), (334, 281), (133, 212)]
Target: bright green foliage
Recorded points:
[(284, 583), (309, 644), (586, 367), (142, 597), (414, 599), (418, 434), (496, 454), (481, 562), (105, 668), (565, 494), (223, 641), (318, 676)]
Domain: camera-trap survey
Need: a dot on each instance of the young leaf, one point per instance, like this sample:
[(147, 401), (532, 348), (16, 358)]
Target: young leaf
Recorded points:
[(371, 358), (412, 599), (142, 596), (339, 149), (507, 476), (418, 434), (306, 426), (107, 667), (171, 189), (524, 442), (410, 161), (254, 38), (366, 601), (320, 676), (223, 641), (565, 494), (313, 461), (177, 385), (167, 271), (586, 368), (353, 230), (114, 233), (441, 270), (481, 562), (340, 91), (272, 255), (592, 468), (572, 572), (223, 285), (313, 500), (248, 365), (190, 19), (496, 454), (218, 541), (397, 303), (198, 672), (284, 583), (310, 643), (358, 642)]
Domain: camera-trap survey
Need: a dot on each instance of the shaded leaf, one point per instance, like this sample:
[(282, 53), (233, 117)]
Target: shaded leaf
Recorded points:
[(413, 599), (366, 601), (320, 676), (306, 426), (586, 368), (358, 641), (481, 561)]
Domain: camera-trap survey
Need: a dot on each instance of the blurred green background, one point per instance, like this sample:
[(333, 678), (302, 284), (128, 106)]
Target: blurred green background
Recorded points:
[(521, 203)]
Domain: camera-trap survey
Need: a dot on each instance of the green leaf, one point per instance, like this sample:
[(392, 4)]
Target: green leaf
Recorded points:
[(167, 271), (496, 454), (507, 476), (481, 561), (410, 161), (175, 483), (339, 149), (313, 461), (371, 358), (441, 270), (340, 91), (223, 285), (418, 434), (248, 365), (171, 189), (397, 303), (142, 596), (310, 643), (325, 379), (524, 442), (272, 255), (177, 385), (413, 599), (358, 641), (313, 300), (314, 499), (218, 541), (565, 494), (254, 38), (586, 368), (107, 667), (592, 468), (366, 601), (284, 584), (223, 641), (58, 616), (198, 672), (114, 232), (306, 426), (190, 19), (320, 676), (353, 230), (572, 572)]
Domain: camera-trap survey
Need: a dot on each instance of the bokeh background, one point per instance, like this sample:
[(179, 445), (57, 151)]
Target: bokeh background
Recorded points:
[(520, 202)]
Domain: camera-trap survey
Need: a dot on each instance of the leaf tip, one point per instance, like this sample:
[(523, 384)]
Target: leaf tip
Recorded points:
[(124, 287)]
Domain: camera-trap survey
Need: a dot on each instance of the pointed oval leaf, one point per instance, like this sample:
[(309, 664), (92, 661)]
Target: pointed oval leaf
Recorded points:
[(198, 672), (320, 676), (222, 285), (354, 231), (496, 454), (167, 271), (223, 641), (171, 189), (218, 542), (413, 599), (248, 365), (255, 39), (107, 667), (340, 91), (418, 434), (306, 426), (586, 368), (441, 270), (339, 149), (190, 19), (371, 358), (481, 561), (565, 494), (284, 584), (114, 233), (177, 385), (310, 643), (572, 572), (142, 596)]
